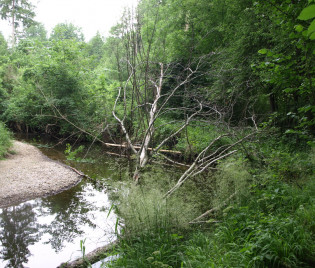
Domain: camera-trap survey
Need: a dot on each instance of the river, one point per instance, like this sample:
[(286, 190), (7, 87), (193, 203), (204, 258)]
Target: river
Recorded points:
[(48, 231)]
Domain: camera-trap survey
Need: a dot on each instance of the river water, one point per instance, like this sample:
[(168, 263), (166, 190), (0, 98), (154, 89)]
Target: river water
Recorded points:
[(48, 231)]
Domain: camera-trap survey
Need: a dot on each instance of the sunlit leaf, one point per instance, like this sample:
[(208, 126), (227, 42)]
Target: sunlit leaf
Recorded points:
[(307, 13), (299, 28), (263, 51)]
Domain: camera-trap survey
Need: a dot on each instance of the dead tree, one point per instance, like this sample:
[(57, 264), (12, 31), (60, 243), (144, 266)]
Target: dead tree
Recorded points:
[(143, 95)]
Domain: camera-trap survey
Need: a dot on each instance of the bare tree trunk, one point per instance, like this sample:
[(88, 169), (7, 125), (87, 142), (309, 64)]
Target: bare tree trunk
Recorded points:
[(13, 23), (152, 116)]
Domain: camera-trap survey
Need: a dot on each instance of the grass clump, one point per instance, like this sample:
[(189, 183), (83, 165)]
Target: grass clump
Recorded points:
[(154, 228), (5, 140)]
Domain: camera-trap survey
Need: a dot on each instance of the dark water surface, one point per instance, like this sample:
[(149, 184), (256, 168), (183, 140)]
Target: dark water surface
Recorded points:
[(47, 231)]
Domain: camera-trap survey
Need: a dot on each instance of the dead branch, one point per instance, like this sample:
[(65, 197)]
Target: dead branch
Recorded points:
[(180, 129), (213, 209), (81, 174), (172, 161), (203, 162)]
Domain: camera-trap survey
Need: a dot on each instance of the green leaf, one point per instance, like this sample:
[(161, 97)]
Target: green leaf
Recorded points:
[(304, 33), (311, 28), (312, 36), (110, 210), (298, 28), (263, 51), (307, 13)]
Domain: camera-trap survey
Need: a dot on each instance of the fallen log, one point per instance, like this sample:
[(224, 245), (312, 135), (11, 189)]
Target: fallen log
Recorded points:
[(139, 147), (91, 257)]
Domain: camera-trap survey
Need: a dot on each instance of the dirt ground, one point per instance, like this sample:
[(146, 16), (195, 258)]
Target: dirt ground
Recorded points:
[(27, 174)]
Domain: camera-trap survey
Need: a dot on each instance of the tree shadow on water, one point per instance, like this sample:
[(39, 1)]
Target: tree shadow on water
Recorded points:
[(18, 230), (70, 210)]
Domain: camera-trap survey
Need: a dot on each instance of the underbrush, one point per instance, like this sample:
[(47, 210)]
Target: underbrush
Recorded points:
[(5, 140), (276, 228), (268, 222)]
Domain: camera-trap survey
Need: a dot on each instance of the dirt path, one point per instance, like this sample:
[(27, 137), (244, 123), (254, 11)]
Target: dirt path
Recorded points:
[(28, 174)]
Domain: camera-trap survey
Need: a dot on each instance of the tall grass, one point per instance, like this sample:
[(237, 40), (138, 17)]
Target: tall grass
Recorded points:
[(5, 140), (153, 229)]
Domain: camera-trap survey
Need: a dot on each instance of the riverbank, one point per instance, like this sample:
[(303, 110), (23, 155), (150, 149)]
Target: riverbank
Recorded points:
[(28, 174)]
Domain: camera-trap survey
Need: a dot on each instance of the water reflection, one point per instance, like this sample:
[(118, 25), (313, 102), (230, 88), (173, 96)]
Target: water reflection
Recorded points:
[(71, 214), (46, 232), (18, 230)]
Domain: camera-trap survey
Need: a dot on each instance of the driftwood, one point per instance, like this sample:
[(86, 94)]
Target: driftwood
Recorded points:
[(90, 257), (81, 174)]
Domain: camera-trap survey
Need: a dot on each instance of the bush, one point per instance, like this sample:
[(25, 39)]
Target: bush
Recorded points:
[(5, 140)]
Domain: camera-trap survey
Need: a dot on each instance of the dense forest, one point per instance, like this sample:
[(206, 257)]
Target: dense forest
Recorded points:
[(224, 89)]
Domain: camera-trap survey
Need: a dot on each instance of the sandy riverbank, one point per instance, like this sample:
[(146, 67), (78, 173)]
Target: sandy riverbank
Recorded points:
[(28, 174)]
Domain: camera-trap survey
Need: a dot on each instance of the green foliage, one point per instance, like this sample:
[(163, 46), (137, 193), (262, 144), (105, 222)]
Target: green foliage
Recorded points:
[(274, 228), (146, 211), (232, 177), (306, 14), (72, 154), (287, 69), (5, 140), (197, 136), (63, 31), (95, 49), (291, 167), (36, 32), (75, 154)]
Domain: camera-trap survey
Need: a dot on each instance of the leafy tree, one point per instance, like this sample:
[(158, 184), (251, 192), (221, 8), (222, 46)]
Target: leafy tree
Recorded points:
[(20, 12), (287, 68), (36, 32), (95, 48), (69, 31)]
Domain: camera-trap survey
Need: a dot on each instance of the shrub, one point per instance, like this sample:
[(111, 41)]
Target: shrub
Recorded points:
[(5, 140)]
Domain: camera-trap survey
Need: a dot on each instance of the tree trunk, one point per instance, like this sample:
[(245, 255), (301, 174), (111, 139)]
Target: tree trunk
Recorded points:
[(13, 23)]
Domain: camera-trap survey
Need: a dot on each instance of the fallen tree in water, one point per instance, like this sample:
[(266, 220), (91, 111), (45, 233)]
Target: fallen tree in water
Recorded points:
[(92, 257)]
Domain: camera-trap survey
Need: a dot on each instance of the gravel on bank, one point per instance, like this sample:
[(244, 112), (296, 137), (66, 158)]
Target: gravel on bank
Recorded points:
[(27, 174)]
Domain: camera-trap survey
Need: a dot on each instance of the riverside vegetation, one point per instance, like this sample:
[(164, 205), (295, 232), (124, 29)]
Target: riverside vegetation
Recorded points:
[(5, 140), (222, 89)]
